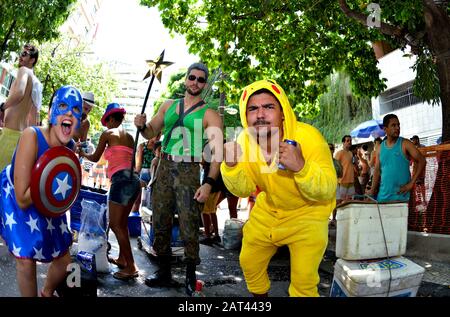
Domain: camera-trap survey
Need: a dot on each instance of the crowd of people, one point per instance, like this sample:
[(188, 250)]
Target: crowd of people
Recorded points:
[(361, 168), (283, 165)]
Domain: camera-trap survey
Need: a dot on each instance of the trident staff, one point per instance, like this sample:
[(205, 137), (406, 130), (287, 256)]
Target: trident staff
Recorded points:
[(156, 68)]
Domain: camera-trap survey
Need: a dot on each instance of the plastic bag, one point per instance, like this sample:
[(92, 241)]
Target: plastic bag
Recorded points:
[(92, 237), (146, 197), (232, 234)]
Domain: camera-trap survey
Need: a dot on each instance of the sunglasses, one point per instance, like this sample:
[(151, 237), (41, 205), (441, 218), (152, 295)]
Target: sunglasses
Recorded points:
[(201, 80), (25, 53)]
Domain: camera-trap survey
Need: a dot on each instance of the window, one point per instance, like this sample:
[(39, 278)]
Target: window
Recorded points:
[(6, 85), (399, 97)]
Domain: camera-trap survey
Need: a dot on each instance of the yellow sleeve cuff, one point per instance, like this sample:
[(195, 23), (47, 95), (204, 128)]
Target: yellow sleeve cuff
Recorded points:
[(303, 172)]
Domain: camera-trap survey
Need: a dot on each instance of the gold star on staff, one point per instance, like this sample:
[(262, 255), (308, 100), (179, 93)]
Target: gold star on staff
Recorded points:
[(156, 66)]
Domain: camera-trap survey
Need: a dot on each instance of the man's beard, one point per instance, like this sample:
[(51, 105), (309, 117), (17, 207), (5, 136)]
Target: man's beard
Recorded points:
[(194, 93)]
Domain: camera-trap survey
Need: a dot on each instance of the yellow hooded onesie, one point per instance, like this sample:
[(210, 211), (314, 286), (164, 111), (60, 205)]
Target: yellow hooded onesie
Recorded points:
[(292, 208)]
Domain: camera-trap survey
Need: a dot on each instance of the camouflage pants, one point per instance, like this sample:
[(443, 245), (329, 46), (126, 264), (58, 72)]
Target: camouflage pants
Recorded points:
[(173, 192)]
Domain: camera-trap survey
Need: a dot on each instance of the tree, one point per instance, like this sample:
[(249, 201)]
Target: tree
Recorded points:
[(28, 20), (300, 42), (340, 111), (60, 65)]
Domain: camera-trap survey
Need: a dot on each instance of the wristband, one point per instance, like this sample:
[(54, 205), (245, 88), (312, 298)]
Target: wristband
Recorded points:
[(209, 180)]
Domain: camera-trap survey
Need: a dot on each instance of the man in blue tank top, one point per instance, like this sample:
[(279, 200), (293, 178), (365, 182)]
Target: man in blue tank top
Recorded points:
[(392, 164)]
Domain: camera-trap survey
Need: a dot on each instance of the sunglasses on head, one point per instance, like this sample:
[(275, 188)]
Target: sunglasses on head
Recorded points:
[(201, 80), (25, 53)]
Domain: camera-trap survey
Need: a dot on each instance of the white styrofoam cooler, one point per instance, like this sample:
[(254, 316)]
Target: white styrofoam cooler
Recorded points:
[(371, 278), (358, 230)]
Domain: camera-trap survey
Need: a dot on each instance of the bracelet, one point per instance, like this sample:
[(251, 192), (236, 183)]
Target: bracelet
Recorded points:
[(209, 180)]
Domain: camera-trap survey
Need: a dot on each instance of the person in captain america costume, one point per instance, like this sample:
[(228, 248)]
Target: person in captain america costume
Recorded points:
[(31, 236)]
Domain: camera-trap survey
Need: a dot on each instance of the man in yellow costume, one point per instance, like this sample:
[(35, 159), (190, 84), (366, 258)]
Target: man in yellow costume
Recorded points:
[(298, 188)]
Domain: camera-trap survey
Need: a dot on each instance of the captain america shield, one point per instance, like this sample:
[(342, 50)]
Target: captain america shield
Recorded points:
[(55, 181)]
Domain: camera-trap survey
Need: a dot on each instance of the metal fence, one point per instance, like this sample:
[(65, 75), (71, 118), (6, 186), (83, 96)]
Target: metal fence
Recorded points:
[(429, 205)]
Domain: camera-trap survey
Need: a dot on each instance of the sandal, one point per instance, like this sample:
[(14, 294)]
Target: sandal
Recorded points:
[(114, 261), (125, 276)]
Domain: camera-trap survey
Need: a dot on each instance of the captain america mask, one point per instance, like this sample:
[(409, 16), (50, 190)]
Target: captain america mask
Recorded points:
[(67, 98)]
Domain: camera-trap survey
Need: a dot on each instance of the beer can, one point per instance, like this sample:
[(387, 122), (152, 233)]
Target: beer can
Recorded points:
[(292, 142), (87, 261)]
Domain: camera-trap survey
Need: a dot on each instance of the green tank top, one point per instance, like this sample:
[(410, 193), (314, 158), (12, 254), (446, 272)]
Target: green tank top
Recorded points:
[(186, 140)]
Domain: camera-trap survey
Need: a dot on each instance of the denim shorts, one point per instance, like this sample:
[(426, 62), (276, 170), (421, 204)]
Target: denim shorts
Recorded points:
[(145, 175), (124, 190)]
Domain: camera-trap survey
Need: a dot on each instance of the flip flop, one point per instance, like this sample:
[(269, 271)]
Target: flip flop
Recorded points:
[(114, 261), (125, 276)]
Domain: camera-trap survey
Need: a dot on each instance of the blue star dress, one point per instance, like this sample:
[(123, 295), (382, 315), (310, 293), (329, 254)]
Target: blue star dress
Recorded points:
[(28, 234)]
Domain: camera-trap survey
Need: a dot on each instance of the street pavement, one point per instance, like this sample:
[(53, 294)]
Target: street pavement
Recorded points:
[(219, 270)]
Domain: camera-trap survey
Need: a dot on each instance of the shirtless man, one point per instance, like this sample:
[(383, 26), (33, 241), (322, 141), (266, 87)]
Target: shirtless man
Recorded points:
[(88, 103), (365, 168), (21, 109)]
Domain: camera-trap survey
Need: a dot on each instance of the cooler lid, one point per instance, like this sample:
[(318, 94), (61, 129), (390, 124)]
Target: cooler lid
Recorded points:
[(366, 209), (361, 272), (368, 202)]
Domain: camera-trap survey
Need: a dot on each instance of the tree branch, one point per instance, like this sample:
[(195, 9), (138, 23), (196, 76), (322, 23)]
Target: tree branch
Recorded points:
[(7, 36), (433, 3), (438, 25), (385, 28)]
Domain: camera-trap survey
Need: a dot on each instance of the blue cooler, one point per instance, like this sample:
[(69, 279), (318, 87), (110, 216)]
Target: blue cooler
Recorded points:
[(98, 195), (134, 224)]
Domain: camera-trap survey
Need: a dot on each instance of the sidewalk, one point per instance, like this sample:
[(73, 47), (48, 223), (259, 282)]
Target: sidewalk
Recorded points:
[(221, 272)]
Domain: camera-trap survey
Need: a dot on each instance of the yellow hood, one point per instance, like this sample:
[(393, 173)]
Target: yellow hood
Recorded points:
[(310, 191), (289, 115)]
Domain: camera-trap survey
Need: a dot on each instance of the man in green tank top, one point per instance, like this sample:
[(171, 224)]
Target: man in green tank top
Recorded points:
[(392, 164), (183, 123)]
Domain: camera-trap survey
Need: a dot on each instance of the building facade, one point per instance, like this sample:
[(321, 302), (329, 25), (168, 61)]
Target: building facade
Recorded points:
[(81, 26), (132, 91), (416, 117), (7, 76)]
